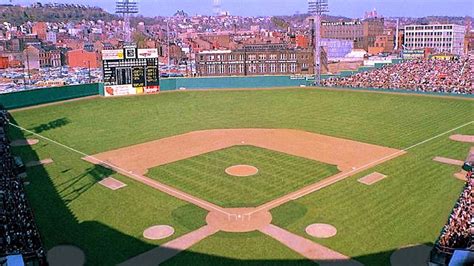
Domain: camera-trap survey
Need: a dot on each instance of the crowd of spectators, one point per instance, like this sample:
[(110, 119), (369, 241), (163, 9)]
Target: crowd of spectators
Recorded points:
[(457, 233), (18, 232), (442, 76)]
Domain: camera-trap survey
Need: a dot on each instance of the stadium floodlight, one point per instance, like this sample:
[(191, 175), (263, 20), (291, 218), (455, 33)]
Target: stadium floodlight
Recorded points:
[(126, 8), (317, 8)]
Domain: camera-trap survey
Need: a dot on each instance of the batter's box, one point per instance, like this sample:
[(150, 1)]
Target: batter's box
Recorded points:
[(112, 183)]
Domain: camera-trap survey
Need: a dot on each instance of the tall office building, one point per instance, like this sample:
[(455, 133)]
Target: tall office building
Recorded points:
[(442, 38)]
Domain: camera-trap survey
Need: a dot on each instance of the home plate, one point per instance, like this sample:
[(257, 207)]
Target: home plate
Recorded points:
[(112, 183)]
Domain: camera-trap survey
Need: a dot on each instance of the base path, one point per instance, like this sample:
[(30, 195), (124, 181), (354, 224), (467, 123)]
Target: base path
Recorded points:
[(38, 163), (448, 161), (24, 142), (345, 154), (463, 138), (315, 252), (371, 178), (166, 251)]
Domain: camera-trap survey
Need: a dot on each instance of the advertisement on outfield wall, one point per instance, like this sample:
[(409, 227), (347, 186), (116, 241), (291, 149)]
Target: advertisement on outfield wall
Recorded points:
[(120, 90)]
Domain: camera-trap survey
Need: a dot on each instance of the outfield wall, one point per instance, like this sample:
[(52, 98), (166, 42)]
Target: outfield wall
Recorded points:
[(48, 95), (169, 84), (55, 94)]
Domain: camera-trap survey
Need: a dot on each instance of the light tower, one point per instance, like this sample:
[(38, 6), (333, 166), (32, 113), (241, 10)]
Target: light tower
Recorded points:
[(126, 8), (217, 7), (317, 8)]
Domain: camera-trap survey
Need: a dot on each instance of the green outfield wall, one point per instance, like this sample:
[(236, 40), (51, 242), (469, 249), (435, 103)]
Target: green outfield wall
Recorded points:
[(48, 95), (169, 84)]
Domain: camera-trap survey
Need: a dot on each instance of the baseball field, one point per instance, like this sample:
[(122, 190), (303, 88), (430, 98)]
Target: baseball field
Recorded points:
[(244, 177)]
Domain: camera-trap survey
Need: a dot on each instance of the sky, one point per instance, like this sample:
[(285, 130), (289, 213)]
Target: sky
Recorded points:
[(348, 8)]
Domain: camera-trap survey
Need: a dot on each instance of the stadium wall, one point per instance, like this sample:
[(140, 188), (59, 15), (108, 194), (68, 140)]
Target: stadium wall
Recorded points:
[(48, 95), (232, 82)]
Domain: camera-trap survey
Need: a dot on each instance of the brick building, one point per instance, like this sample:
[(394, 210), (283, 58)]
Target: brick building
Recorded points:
[(252, 60), (362, 32), (82, 58), (384, 43), (40, 29), (4, 62)]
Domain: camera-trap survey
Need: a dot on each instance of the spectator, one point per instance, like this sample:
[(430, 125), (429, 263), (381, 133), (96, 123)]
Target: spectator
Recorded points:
[(417, 75)]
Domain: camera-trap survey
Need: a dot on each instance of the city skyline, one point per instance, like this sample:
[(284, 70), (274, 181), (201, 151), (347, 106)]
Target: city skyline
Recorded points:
[(353, 9)]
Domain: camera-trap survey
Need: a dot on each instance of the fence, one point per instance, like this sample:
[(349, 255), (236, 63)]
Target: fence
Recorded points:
[(232, 82), (47, 95)]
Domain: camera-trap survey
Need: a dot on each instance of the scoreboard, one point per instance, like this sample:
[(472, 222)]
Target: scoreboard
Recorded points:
[(130, 71)]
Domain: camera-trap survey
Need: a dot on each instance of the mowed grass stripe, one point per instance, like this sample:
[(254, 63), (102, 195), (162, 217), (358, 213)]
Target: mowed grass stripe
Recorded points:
[(372, 118), (409, 207), (204, 176)]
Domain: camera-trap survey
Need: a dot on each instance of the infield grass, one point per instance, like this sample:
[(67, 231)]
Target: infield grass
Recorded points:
[(410, 206), (278, 174)]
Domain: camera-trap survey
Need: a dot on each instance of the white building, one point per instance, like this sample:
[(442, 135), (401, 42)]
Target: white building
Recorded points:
[(443, 38), (337, 48)]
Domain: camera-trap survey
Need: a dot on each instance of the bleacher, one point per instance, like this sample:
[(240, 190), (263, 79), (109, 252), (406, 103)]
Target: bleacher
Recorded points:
[(457, 235), (19, 236)]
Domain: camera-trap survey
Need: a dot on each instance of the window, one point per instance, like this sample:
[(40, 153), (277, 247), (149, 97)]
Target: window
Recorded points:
[(273, 57), (220, 69), (282, 56), (262, 68), (283, 68), (262, 56), (232, 57), (252, 68), (273, 68), (211, 69), (232, 68), (292, 56), (241, 68), (252, 57), (293, 68)]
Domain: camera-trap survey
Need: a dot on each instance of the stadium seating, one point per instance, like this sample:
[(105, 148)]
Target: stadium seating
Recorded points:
[(457, 233), (18, 232), (441, 76)]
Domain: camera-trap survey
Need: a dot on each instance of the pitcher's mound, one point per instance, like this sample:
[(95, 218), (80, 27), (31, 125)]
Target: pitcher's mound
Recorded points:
[(24, 142), (158, 232), (66, 255), (242, 170), (411, 255), (321, 230)]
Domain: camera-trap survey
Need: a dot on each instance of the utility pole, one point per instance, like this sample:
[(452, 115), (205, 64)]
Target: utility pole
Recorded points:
[(317, 8), (168, 41), (89, 66)]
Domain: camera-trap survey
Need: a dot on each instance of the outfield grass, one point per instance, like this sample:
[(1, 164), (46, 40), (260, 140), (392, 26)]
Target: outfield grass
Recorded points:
[(408, 207), (278, 174), (72, 208)]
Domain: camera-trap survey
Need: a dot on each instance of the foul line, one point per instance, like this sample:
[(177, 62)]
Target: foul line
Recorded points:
[(336, 178), (126, 172), (304, 192)]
